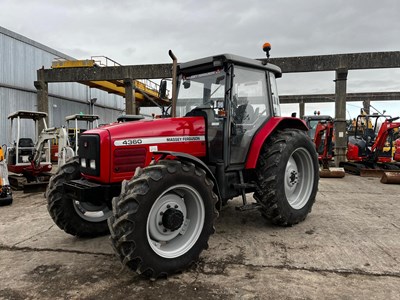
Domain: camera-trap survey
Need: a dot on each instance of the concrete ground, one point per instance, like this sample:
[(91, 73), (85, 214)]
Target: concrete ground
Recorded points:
[(347, 248)]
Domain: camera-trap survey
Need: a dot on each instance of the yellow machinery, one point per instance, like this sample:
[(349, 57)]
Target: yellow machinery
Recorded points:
[(143, 88), (5, 190)]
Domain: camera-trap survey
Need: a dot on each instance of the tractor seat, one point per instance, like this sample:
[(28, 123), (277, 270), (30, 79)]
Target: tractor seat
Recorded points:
[(369, 136), (207, 113), (244, 114), (25, 146), (26, 143)]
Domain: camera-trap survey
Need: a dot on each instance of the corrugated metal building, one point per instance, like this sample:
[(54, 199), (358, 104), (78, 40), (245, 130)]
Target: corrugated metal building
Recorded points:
[(20, 58)]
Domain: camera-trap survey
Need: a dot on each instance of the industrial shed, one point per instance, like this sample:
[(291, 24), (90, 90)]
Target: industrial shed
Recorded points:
[(20, 58)]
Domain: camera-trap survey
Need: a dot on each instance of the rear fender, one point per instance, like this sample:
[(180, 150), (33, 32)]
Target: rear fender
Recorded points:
[(274, 124), (198, 163)]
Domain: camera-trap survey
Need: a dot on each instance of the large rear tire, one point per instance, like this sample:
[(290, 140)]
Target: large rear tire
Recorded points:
[(163, 218), (82, 219), (287, 177)]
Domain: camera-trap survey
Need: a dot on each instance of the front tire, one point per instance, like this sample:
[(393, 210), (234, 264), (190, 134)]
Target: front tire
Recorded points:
[(82, 219), (163, 218), (287, 177)]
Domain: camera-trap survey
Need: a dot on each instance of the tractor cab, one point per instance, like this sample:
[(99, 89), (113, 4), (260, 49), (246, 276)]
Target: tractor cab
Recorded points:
[(235, 95)]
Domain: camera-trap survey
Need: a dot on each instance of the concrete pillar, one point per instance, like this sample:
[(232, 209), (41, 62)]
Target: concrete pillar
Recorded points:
[(130, 103), (340, 116), (42, 97), (301, 108), (366, 106)]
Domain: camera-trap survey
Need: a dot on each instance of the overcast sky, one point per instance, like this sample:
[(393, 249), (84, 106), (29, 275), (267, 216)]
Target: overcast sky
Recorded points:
[(141, 32)]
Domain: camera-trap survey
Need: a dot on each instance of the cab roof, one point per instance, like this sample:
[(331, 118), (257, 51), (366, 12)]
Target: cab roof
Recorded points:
[(236, 59), (82, 117), (26, 114)]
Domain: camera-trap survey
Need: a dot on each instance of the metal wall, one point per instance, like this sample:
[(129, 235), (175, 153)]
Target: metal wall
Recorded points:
[(20, 58)]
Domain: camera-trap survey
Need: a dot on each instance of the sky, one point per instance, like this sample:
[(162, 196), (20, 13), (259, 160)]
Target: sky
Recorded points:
[(141, 32)]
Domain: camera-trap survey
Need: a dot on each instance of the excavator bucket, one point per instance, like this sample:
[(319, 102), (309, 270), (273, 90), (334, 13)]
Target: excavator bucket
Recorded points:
[(371, 172), (377, 172), (391, 177), (331, 173)]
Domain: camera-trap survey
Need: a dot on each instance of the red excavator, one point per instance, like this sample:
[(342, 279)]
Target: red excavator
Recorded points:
[(323, 143), (365, 153)]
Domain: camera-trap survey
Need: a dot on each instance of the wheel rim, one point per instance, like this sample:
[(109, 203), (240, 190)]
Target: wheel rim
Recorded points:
[(175, 221), (91, 212), (299, 178)]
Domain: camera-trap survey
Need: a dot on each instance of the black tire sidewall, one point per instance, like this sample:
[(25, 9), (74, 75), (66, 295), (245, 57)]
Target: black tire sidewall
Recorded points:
[(299, 140), (169, 180)]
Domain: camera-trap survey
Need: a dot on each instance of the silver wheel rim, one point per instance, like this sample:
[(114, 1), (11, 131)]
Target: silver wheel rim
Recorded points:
[(169, 243), (299, 178), (91, 212)]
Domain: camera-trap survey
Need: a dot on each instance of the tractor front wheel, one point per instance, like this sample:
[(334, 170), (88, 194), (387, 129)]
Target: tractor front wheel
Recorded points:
[(287, 175), (163, 218), (82, 219)]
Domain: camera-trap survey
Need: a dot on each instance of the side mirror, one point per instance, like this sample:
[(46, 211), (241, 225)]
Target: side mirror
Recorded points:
[(294, 115), (162, 92)]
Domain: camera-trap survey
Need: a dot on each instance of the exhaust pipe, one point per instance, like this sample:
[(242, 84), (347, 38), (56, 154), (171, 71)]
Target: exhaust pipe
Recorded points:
[(174, 82)]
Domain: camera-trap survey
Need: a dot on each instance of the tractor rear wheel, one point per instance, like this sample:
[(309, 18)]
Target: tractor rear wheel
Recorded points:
[(163, 218), (287, 177), (82, 219)]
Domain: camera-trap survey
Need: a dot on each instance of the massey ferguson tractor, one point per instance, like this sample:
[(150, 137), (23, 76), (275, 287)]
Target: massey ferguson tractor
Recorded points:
[(158, 185)]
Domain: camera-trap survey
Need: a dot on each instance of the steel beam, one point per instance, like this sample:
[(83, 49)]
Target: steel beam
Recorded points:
[(332, 62), (322, 98), (108, 73)]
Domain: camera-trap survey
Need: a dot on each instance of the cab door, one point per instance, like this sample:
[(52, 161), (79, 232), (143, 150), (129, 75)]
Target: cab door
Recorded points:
[(250, 108)]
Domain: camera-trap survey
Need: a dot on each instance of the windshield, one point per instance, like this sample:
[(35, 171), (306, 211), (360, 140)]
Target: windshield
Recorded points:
[(200, 90)]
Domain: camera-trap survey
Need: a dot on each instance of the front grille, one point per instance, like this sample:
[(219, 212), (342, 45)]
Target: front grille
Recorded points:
[(89, 154), (127, 160)]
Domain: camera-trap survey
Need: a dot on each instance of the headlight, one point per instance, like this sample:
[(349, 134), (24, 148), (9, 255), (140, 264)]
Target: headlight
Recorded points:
[(83, 163), (93, 164)]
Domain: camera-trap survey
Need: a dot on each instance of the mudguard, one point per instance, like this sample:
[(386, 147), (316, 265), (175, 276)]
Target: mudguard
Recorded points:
[(272, 125)]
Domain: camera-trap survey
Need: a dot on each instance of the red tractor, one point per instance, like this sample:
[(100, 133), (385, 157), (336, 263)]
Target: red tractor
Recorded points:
[(160, 183)]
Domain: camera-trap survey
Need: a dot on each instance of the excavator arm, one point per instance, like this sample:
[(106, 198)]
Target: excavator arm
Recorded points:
[(324, 129), (383, 134), (64, 150)]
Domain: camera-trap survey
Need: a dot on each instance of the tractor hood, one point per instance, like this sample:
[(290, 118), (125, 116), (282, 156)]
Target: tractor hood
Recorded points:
[(122, 147)]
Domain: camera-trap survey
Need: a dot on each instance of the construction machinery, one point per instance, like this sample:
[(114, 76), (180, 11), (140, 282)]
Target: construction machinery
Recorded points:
[(75, 131), (161, 182), (23, 174), (396, 155), (312, 122), (365, 155), (29, 161), (5, 189), (73, 128), (323, 139)]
